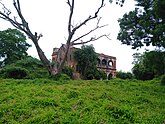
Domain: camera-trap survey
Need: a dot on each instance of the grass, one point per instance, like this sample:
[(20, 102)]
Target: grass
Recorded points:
[(86, 102)]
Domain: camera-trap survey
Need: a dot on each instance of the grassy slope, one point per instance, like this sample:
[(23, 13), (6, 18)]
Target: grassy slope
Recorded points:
[(88, 102)]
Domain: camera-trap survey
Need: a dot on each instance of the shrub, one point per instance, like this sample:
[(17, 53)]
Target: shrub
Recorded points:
[(34, 66), (163, 79), (14, 72), (142, 73), (60, 76), (89, 76), (68, 71), (124, 75), (103, 75), (100, 75), (29, 63)]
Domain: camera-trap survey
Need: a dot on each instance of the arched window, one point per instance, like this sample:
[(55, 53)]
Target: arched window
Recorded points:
[(110, 63), (98, 62), (104, 62), (110, 76)]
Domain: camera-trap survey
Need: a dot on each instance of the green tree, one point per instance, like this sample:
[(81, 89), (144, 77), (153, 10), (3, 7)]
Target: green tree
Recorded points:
[(155, 61), (124, 75), (142, 73), (145, 25), (87, 60), (159, 9), (149, 65), (13, 46)]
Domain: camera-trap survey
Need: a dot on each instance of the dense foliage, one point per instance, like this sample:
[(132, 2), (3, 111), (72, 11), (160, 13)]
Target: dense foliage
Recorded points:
[(86, 61), (13, 46), (145, 25), (149, 65), (68, 71), (31, 67), (14, 72), (163, 79), (124, 75), (86, 102), (86, 58)]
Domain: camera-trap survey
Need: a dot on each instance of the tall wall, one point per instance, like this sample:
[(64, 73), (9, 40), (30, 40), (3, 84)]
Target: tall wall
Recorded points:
[(107, 64)]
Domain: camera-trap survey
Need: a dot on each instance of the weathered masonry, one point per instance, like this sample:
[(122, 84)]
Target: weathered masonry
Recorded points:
[(105, 63)]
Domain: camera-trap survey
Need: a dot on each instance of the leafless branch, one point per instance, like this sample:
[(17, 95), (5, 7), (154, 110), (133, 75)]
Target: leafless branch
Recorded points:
[(70, 16), (97, 27), (5, 10), (72, 31), (68, 2), (90, 17), (92, 39), (19, 8)]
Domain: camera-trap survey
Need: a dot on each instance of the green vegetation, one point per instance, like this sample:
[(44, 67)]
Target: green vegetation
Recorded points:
[(26, 68), (86, 58), (124, 75), (163, 79), (145, 25), (68, 71), (149, 65), (13, 46), (115, 101)]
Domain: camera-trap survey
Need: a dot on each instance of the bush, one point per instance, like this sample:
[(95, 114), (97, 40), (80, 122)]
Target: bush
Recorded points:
[(124, 75), (163, 79), (34, 66), (89, 76), (100, 75), (68, 71), (14, 72), (142, 73), (60, 77)]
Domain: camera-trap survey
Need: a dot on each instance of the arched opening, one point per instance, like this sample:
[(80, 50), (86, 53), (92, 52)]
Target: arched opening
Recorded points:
[(110, 76), (98, 62), (104, 62), (110, 63), (78, 68)]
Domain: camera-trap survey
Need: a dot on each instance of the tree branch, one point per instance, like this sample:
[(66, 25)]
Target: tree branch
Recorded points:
[(19, 8), (97, 27), (72, 31), (70, 16), (90, 17), (92, 39)]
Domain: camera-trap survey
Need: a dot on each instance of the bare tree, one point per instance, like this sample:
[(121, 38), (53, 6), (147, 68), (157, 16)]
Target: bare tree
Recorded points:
[(5, 14)]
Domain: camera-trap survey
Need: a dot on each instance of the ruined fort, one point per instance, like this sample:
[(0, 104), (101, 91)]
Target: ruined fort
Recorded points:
[(105, 63)]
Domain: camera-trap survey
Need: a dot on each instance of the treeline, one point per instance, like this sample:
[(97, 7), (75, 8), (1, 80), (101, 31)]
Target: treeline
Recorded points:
[(147, 66)]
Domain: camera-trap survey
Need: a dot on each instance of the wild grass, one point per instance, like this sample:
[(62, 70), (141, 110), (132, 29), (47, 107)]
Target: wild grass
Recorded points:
[(86, 102)]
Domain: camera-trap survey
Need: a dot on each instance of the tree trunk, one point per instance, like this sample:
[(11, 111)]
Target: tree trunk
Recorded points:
[(43, 58), (64, 59)]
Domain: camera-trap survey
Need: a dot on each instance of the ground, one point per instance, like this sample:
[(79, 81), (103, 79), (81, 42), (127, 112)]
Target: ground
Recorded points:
[(103, 102)]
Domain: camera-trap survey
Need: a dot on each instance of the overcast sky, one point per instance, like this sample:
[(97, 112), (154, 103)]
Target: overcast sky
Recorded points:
[(51, 18)]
